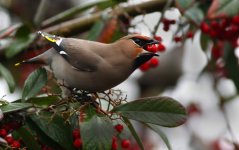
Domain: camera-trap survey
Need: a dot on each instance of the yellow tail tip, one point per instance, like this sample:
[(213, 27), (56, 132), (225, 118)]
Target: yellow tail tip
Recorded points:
[(18, 64)]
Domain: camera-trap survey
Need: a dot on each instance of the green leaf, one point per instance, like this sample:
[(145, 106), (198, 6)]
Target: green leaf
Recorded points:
[(195, 14), (8, 77), (184, 4), (45, 139), (12, 107), (43, 101), (23, 40), (231, 64), (73, 11), (33, 84), (156, 129), (54, 128), (28, 139), (163, 111), (228, 7), (133, 132), (97, 133), (204, 41), (96, 30)]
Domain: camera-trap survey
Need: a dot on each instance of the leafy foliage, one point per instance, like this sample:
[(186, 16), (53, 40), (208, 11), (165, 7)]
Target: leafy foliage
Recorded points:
[(8, 77), (34, 83), (23, 39), (163, 111), (94, 133), (13, 107), (55, 129)]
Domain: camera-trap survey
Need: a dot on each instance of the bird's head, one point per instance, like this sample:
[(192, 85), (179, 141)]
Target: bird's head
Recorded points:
[(53, 39), (137, 48)]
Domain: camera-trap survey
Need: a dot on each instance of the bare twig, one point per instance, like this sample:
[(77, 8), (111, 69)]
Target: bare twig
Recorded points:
[(84, 23), (168, 4), (10, 30), (70, 12), (229, 128), (41, 10)]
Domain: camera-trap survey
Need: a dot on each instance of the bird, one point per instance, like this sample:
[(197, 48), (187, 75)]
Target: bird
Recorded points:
[(93, 66)]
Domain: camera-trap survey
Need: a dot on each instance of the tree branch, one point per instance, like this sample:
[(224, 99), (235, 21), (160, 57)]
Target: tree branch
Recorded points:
[(84, 23)]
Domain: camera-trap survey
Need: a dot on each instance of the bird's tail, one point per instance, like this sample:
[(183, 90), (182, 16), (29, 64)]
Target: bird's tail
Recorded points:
[(35, 60)]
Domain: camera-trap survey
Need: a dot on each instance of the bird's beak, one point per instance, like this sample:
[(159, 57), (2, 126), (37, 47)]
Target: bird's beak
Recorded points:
[(147, 53), (151, 42)]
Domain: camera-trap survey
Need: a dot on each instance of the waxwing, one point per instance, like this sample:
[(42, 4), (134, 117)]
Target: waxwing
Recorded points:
[(94, 66)]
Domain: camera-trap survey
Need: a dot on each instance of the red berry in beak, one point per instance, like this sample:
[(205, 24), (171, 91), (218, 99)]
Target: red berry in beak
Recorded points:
[(161, 47), (154, 62), (154, 48), (144, 67)]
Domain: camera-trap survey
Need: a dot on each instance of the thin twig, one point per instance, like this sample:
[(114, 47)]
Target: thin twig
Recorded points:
[(84, 23), (167, 5), (229, 128), (70, 12), (41, 10)]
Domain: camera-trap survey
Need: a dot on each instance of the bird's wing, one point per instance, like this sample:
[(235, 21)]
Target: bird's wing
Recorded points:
[(79, 57)]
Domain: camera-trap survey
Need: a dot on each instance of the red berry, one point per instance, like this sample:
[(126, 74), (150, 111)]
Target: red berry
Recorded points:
[(114, 143), (224, 23), (190, 34), (166, 27), (235, 20), (149, 48), (154, 62), (166, 21), (119, 127), (76, 133), (161, 47), (125, 143), (217, 51), (3, 132), (77, 143), (144, 67), (214, 24), (9, 139), (154, 48), (177, 39), (213, 33), (158, 38), (15, 144), (205, 27)]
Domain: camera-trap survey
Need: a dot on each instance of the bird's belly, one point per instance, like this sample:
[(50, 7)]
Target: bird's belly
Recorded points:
[(90, 81)]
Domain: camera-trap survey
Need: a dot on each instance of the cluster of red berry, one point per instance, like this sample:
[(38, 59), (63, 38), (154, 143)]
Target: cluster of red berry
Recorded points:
[(125, 143), (167, 23), (77, 139), (5, 133), (221, 30), (166, 26), (153, 62)]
